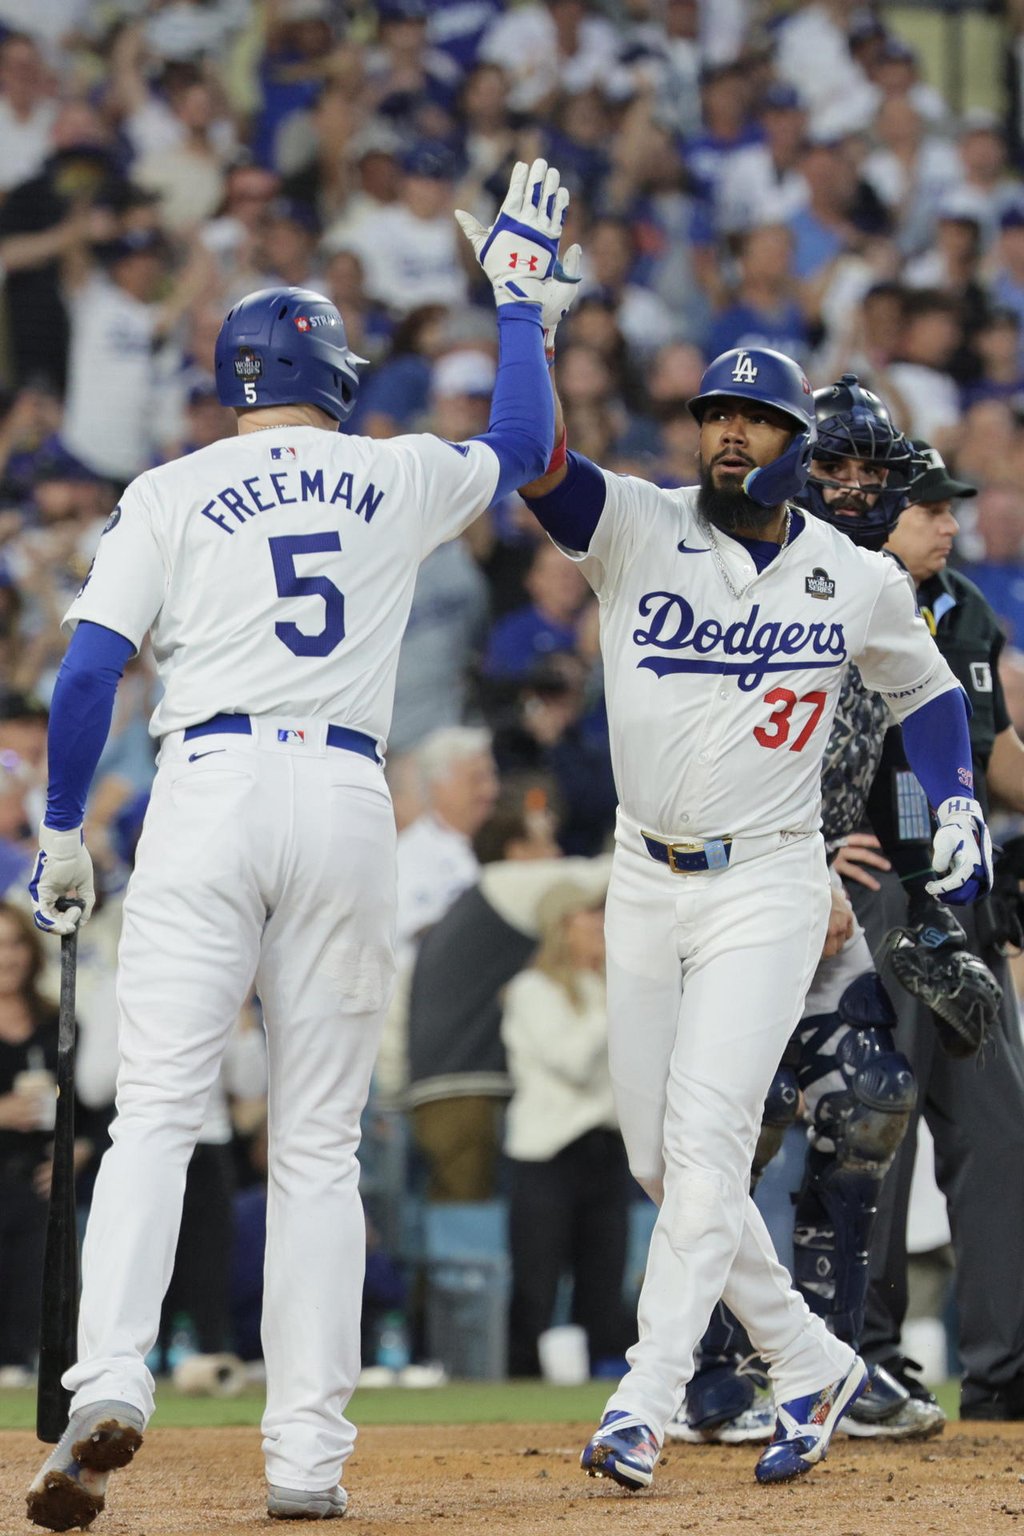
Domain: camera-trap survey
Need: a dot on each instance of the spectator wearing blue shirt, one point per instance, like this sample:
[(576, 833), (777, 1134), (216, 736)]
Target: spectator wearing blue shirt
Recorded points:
[(822, 229), (1000, 572), (397, 393), (764, 311), (1007, 283), (548, 623)]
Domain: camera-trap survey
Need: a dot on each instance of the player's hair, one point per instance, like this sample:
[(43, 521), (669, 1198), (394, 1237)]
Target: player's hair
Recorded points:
[(443, 748)]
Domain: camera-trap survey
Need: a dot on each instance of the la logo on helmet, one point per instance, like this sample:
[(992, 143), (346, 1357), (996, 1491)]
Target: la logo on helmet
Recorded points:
[(745, 371)]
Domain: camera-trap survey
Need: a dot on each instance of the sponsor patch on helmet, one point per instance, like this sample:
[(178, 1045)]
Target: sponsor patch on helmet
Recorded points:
[(820, 584), (248, 365), (314, 322)]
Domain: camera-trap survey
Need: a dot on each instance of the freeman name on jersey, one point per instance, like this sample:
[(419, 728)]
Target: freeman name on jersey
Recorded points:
[(310, 487), (672, 628)]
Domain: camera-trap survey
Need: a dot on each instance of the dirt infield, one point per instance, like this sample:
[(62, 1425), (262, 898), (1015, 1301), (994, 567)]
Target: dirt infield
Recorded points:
[(524, 1478)]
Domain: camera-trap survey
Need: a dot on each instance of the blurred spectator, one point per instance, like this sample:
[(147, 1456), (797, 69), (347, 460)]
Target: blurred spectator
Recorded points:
[(232, 234), (643, 318), (997, 345), (287, 246), (548, 623), (188, 174), (952, 264), (813, 55), (27, 110), (764, 311), (458, 1080), (408, 250), (894, 70), (998, 572), (408, 80), (726, 132), (762, 184), (375, 181), (823, 228), (117, 320), (911, 170), (43, 223), (920, 377), (398, 392), (16, 842), (206, 420), (23, 725), (558, 45), (435, 853), (292, 70), (984, 167), (552, 735), (1007, 280), (562, 1139), (488, 125)]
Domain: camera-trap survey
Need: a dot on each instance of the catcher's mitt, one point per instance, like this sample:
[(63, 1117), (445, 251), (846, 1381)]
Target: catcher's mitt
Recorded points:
[(931, 960)]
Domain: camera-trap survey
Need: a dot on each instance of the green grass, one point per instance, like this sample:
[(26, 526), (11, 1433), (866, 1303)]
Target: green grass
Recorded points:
[(461, 1402)]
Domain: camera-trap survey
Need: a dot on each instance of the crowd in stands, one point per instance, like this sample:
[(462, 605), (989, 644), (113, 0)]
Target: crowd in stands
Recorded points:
[(742, 173)]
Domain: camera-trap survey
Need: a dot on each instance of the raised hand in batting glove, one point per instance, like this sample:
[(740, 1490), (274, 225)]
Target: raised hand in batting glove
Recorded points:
[(961, 852), (560, 292), (62, 868), (520, 249)]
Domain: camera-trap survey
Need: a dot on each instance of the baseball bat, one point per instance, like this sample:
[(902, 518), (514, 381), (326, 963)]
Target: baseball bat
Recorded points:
[(59, 1321)]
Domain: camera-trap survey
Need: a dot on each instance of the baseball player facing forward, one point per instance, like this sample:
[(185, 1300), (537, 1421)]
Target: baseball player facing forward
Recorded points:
[(858, 1089), (728, 618), (274, 573)]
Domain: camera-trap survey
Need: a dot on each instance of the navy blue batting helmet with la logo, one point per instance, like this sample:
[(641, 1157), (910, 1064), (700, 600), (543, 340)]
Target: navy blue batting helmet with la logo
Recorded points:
[(286, 346), (771, 378)]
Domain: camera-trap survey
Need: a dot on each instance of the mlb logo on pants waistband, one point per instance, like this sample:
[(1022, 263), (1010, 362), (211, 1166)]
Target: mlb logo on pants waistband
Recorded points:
[(299, 736)]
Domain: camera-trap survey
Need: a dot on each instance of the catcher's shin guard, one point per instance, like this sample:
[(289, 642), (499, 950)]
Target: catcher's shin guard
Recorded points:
[(778, 1114), (858, 1128)]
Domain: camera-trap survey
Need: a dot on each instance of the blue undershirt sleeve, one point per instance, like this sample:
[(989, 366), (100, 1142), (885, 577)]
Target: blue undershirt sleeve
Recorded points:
[(937, 741), (80, 713), (521, 428), (570, 512)]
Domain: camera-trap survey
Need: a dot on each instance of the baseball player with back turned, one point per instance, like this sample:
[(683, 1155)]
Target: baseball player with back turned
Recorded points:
[(274, 573), (728, 618)]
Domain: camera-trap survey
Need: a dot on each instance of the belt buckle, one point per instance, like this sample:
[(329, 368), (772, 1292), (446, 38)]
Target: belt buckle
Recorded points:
[(715, 851), (694, 846)]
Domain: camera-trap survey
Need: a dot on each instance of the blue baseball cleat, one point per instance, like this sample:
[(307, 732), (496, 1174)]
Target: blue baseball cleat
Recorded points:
[(624, 1449), (805, 1425)]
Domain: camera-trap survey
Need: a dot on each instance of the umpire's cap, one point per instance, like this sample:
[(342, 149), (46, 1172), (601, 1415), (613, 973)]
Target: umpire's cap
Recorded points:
[(286, 346), (758, 373)]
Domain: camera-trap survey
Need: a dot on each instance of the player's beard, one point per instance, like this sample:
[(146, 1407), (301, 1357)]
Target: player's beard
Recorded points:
[(729, 507)]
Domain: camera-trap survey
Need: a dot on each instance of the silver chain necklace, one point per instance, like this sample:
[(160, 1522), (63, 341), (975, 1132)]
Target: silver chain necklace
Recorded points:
[(716, 553)]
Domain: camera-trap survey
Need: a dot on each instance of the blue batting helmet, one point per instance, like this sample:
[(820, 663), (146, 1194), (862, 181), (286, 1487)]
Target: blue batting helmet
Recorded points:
[(286, 346), (759, 373), (854, 423)]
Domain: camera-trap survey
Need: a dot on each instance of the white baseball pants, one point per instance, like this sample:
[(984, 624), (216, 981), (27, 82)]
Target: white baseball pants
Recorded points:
[(706, 980), (271, 861)]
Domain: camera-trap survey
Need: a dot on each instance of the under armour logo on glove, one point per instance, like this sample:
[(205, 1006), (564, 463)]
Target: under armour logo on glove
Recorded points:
[(524, 237)]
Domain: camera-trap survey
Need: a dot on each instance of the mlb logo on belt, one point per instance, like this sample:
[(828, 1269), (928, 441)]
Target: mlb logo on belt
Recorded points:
[(294, 736), (282, 453)]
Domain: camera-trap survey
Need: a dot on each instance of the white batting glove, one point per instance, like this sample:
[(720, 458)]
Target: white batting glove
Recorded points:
[(63, 868), (560, 292), (521, 247), (961, 852)]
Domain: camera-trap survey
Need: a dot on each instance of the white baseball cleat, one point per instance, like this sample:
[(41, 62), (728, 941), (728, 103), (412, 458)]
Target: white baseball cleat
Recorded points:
[(301, 1504)]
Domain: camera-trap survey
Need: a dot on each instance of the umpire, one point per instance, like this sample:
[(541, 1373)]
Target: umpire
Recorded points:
[(974, 1108)]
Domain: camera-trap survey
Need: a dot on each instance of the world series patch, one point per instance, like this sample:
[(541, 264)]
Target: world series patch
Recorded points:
[(820, 584)]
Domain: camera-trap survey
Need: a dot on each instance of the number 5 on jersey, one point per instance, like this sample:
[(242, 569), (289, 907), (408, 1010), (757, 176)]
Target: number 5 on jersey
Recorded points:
[(290, 584), (775, 731)]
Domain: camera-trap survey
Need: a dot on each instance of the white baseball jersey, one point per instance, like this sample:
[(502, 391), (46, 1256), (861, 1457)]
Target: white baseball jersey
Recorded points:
[(238, 559), (720, 705)]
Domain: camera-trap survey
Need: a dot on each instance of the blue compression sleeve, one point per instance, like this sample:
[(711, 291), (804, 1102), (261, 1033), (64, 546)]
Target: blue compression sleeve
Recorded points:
[(571, 511), (80, 711), (937, 742), (521, 429)]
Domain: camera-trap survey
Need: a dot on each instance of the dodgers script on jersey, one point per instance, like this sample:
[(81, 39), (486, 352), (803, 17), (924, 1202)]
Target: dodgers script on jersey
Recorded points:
[(238, 558), (721, 705)]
